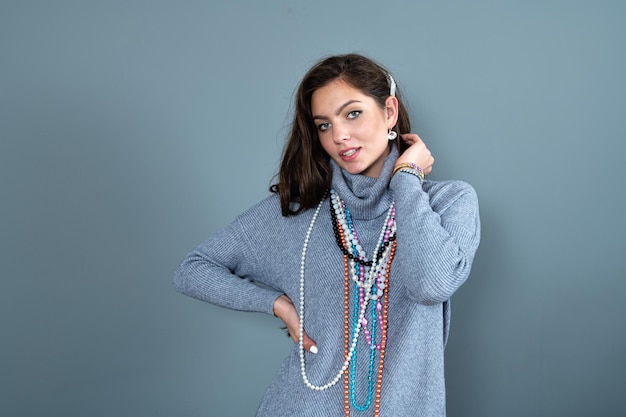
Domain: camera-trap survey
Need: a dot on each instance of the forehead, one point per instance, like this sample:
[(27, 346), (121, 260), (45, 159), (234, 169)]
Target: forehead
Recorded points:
[(335, 94)]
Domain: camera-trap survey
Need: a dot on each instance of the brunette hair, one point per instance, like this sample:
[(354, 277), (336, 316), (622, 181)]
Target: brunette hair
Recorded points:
[(305, 173)]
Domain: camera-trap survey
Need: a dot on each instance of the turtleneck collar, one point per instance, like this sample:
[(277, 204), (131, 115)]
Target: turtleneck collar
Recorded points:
[(366, 197)]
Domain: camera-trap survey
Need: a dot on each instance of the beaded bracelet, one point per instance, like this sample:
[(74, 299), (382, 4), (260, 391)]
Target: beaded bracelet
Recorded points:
[(410, 168), (412, 171)]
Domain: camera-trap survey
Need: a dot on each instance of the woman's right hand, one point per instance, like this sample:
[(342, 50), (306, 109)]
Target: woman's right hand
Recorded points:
[(285, 310), (417, 153)]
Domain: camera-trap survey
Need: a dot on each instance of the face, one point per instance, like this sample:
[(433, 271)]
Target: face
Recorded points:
[(352, 127)]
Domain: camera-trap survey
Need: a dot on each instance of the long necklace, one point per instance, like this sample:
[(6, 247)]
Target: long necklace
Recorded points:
[(348, 242), (371, 278)]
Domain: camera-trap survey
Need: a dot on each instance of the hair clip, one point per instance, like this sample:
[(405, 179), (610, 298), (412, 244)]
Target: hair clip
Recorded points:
[(392, 88)]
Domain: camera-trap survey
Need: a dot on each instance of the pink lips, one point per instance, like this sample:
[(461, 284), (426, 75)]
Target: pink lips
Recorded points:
[(352, 153)]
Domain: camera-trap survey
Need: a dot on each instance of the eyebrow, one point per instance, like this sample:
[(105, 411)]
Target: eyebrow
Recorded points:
[(339, 110)]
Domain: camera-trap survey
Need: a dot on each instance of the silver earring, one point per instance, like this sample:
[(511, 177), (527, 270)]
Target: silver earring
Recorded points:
[(392, 135)]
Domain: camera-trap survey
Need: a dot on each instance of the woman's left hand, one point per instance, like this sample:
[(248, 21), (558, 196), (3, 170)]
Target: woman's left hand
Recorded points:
[(285, 310), (417, 153)]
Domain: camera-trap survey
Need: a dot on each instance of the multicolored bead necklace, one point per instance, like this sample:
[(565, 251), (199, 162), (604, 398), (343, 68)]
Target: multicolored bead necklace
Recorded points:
[(370, 278)]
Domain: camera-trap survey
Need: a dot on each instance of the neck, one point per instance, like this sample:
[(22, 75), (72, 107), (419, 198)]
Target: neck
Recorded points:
[(366, 197)]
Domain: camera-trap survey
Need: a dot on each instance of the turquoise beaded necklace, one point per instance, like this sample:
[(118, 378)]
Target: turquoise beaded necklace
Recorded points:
[(361, 268)]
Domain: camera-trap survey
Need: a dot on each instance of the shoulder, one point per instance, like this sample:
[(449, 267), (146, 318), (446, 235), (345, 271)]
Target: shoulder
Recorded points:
[(264, 210), (443, 194), (267, 213)]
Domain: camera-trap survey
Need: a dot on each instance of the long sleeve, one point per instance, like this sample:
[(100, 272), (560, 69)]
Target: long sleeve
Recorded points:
[(221, 271), (438, 235)]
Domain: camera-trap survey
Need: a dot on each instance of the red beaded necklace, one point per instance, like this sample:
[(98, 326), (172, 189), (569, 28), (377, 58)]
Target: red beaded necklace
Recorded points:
[(350, 342), (346, 328)]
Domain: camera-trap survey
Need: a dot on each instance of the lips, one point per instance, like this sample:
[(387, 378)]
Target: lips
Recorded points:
[(349, 154)]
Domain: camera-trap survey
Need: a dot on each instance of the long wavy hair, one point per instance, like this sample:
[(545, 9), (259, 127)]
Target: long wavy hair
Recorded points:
[(305, 173)]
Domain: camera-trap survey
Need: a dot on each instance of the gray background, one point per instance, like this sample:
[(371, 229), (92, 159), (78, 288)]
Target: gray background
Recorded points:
[(130, 131)]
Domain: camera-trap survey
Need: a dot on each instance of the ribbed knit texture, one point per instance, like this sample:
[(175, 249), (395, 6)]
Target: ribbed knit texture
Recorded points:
[(437, 237)]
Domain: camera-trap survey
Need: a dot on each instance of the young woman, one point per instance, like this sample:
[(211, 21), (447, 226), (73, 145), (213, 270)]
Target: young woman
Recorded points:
[(358, 254)]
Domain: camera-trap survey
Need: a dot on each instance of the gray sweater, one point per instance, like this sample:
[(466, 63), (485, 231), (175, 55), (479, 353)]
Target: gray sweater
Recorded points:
[(438, 231)]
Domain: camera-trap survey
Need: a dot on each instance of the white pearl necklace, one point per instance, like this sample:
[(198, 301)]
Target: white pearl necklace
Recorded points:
[(367, 285)]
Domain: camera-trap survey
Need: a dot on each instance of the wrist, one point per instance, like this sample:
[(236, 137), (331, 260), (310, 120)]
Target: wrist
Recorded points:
[(409, 168), (280, 304)]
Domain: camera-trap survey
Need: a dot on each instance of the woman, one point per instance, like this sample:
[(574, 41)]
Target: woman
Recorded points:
[(357, 254)]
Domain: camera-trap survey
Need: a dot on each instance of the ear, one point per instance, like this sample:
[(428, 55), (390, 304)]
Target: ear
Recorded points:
[(391, 111)]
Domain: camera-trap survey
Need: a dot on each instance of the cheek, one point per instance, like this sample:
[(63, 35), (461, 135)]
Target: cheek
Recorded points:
[(372, 130), (374, 135), (326, 142)]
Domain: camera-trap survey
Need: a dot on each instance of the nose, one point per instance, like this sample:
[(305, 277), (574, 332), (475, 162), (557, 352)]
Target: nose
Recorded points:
[(340, 133)]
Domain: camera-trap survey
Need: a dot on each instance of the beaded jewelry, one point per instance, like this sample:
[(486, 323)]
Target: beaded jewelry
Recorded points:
[(413, 172), (371, 280), (409, 168)]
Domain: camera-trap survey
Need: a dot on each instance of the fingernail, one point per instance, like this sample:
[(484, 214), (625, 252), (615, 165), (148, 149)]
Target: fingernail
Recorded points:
[(313, 350)]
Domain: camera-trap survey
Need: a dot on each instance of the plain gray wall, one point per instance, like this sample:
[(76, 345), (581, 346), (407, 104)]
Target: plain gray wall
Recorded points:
[(130, 131)]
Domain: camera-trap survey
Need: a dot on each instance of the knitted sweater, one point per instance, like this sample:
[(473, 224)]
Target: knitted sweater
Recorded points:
[(438, 232)]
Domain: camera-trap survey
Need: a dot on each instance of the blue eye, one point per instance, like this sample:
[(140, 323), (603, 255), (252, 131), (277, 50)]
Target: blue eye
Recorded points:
[(323, 126), (354, 114)]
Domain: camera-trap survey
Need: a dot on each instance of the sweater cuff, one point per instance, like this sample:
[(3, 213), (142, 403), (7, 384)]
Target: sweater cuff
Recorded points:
[(405, 182), (262, 299)]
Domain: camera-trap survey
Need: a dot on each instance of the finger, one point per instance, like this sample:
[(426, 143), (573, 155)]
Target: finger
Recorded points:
[(410, 136), (309, 344), (428, 169), (408, 139), (294, 336)]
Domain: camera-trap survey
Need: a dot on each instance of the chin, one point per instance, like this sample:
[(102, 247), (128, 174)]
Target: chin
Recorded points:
[(353, 170)]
